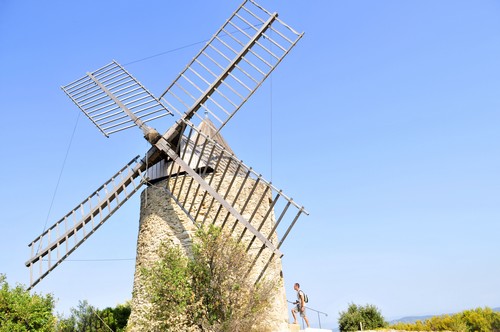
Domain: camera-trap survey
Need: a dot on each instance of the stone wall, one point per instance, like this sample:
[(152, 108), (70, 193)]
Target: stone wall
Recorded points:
[(162, 220)]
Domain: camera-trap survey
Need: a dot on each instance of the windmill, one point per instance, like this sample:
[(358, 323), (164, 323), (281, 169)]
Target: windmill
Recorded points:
[(197, 170)]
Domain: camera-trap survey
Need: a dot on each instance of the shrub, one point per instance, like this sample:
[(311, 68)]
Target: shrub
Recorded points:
[(368, 316), (209, 291), (21, 311), (480, 320)]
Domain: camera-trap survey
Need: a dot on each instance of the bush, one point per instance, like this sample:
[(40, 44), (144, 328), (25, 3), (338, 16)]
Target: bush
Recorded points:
[(209, 291), (20, 311), (368, 316), (480, 320)]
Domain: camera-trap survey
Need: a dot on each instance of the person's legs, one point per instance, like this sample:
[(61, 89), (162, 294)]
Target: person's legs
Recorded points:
[(294, 317), (307, 321), (303, 315)]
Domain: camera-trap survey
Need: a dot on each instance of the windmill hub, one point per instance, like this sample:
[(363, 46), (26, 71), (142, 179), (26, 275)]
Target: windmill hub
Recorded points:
[(152, 136)]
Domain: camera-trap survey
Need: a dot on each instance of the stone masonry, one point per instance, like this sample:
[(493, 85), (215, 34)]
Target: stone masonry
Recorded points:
[(162, 220)]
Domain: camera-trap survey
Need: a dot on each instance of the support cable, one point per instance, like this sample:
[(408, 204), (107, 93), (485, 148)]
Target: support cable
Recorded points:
[(59, 179), (182, 47), (271, 106), (271, 120), (166, 52), (95, 313)]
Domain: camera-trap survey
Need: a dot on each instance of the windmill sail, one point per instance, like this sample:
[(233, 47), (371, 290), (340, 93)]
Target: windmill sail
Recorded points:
[(229, 194), (218, 80), (56, 243), (232, 65), (114, 100)]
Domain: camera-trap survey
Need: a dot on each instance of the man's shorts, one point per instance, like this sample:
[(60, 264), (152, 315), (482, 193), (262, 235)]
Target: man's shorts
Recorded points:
[(302, 313)]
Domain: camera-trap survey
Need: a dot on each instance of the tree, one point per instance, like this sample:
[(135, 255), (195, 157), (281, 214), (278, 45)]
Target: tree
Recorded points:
[(81, 319), (208, 291), (86, 318), (361, 317), (120, 315), (21, 311), (168, 287)]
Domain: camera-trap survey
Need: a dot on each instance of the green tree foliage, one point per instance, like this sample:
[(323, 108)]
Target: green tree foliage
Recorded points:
[(209, 291), (21, 311), (168, 287), (357, 317), (86, 318), (120, 315), (480, 320)]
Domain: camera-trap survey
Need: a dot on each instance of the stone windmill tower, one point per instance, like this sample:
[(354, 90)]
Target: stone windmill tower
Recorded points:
[(192, 175)]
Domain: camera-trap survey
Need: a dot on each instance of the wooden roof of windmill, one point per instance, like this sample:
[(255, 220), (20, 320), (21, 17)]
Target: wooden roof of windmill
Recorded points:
[(207, 128)]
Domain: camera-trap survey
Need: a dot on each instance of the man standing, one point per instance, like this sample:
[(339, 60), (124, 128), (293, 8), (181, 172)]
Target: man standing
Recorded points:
[(300, 305)]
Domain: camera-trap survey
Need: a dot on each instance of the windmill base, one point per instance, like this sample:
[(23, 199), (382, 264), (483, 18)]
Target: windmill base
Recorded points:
[(161, 220)]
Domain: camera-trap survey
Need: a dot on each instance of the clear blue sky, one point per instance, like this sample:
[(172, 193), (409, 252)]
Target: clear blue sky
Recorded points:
[(383, 122)]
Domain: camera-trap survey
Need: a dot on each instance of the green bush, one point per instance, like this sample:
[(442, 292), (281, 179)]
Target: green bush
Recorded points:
[(209, 291), (20, 311), (361, 317), (480, 320)]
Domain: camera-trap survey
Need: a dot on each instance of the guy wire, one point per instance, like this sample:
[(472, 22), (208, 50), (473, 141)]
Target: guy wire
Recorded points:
[(59, 179)]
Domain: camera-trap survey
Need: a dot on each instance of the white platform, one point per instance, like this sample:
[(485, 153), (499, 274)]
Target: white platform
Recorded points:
[(296, 328)]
